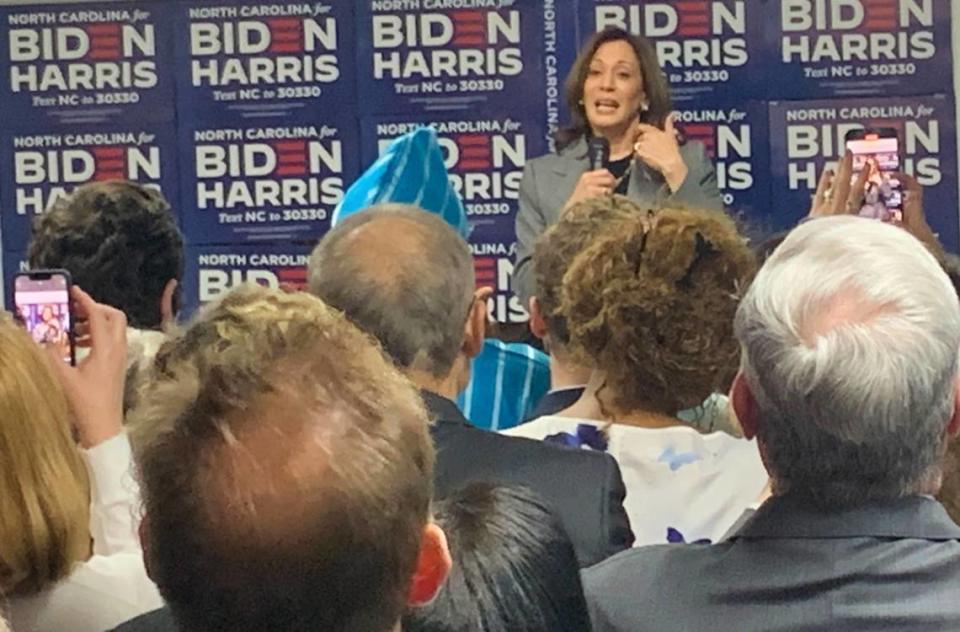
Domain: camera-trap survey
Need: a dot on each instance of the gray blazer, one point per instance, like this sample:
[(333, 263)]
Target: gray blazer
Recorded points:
[(548, 182), (886, 566)]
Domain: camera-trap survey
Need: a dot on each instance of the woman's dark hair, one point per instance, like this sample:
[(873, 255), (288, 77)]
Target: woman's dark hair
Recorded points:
[(514, 568), (654, 83)]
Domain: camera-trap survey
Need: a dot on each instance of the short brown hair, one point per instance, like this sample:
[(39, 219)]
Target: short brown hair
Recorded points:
[(286, 469), (44, 490), (650, 302), (654, 83), (555, 250)]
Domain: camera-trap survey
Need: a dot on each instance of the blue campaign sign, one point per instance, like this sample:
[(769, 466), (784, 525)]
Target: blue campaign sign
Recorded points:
[(808, 136), (736, 139), (274, 180), (835, 48), (484, 157), (263, 59), (41, 165), (212, 271), (710, 50), (416, 56), (85, 63)]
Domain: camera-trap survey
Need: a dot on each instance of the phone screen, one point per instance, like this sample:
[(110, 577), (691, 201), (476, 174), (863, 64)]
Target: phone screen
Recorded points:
[(43, 306), (883, 193)]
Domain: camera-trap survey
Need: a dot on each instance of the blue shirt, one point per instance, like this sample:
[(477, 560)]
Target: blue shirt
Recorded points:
[(507, 381)]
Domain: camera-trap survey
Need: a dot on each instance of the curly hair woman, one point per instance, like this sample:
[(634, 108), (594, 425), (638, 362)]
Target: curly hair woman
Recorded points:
[(649, 305)]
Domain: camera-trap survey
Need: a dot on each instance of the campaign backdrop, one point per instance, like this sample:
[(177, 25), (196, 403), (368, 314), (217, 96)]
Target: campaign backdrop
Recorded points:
[(263, 59), (41, 164), (806, 136), (87, 63), (254, 117), (213, 270), (278, 179)]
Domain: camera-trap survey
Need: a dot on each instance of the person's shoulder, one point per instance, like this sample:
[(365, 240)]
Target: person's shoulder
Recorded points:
[(650, 569), (524, 446)]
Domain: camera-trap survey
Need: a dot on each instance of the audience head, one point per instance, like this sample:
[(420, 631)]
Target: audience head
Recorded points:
[(514, 567), (406, 277), (650, 302), (44, 490), (850, 336), (286, 471), (120, 242), (555, 250)]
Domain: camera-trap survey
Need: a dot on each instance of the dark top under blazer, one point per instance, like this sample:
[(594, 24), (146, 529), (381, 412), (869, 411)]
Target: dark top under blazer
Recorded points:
[(892, 565), (549, 181), (584, 488)]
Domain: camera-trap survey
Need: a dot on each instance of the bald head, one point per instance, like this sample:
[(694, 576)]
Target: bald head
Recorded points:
[(404, 276)]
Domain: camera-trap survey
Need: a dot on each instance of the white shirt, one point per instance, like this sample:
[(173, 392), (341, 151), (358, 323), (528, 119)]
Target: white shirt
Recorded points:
[(112, 586), (678, 480)]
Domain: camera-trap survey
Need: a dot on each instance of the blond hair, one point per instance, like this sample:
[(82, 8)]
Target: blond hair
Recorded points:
[(44, 490)]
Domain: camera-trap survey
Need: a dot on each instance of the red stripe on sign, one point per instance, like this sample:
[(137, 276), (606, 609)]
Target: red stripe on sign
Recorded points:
[(474, 164), (484, 261), (469, 29), (293, 162), (282, 47), (101, 176), (695, 20), (475, 152), (108, 151), (103, 53), (282, 24), (468, 40), (694, 129), (292, 274), (467, 16), (112, 164), (696, 31), (290, 170), (110, 28), (290, 145), (286, 37), (473, 139), (691, 6), (880, 25), (106, 40)]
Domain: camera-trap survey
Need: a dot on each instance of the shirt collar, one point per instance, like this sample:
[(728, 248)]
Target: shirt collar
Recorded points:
[(908, 517)]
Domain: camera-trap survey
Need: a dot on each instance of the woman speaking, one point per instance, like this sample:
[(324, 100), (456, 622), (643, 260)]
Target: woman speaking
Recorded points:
[(621, 140)]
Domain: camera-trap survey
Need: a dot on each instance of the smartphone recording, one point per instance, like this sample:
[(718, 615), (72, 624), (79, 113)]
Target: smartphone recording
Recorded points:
[(878, 151), (42, 303)]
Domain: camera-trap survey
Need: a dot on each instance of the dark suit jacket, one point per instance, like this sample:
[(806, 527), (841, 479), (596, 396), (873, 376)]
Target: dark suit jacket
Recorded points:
[(885, 566), (157, 621), (584, 488), (549, 181), (555, 401)]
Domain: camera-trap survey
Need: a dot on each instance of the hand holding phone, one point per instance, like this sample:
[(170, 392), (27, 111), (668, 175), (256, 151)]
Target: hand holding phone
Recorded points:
[(95, 386)]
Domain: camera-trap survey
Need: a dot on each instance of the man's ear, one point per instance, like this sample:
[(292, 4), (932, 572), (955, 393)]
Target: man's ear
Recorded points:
[(953, 427), (538, 326), (144, 532), (433, 566), (168, 306), (475, 329), (744, 405)]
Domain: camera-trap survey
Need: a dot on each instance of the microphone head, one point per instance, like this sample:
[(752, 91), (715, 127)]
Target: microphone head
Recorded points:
[(598, 151)]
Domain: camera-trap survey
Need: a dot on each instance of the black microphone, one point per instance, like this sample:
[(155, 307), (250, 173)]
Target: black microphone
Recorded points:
[(598, 151)]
